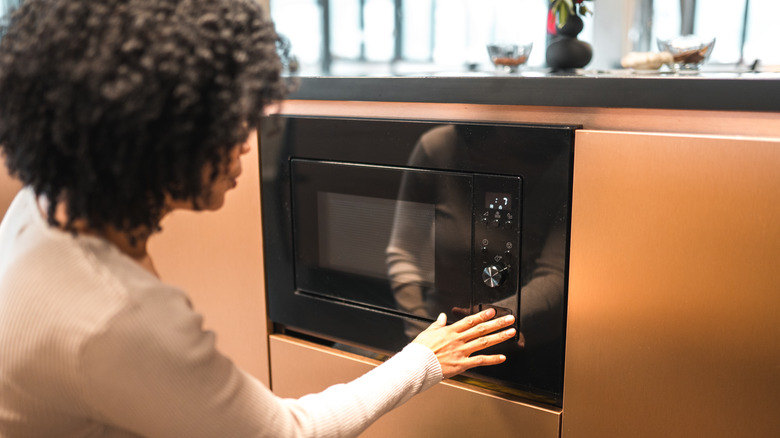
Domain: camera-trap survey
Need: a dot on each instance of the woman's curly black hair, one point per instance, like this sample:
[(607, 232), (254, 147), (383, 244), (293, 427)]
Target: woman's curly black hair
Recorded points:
[(112, 104)]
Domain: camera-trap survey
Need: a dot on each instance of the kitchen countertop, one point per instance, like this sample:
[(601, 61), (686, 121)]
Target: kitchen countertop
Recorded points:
[(607, 89)]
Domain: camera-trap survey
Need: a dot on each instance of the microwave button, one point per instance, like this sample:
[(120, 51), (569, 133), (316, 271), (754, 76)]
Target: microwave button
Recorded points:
[(484, 220)]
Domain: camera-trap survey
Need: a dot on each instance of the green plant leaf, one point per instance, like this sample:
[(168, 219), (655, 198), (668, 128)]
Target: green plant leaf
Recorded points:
[(562, 8), (563, 17)]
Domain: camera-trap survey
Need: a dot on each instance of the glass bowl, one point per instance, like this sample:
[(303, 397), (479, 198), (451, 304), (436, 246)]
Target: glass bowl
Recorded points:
[(509, 57), (688, 52)]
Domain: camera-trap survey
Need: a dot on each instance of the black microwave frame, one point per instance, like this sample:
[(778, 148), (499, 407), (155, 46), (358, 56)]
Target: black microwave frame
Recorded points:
[(342, 322)]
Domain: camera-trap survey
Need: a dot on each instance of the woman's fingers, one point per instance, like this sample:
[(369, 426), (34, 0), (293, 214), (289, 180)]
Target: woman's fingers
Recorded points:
[(483, 360), (482, 342), (474, 320), (472, 331)]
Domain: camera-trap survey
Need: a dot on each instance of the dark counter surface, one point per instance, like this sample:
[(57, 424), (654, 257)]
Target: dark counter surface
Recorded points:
[(705, 91)]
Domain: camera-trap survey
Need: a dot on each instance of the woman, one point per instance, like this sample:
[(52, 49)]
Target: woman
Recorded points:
[(114, 113)]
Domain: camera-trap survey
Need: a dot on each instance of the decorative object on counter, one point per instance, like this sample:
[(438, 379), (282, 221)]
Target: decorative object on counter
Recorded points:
[(509, 57), (564, 50), (646, 60), (689, 52)]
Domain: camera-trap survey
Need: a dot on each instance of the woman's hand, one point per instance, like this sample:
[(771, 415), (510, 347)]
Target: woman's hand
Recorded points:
[(454, 344)]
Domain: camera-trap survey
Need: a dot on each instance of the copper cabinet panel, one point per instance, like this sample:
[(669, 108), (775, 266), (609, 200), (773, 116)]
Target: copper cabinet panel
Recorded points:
[(449, 409), (674, 289)]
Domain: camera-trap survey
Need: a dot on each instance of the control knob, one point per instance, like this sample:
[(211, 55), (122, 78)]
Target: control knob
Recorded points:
[(493, 275)]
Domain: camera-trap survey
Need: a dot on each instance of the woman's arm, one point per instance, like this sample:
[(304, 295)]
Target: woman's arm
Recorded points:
[(154, 371)]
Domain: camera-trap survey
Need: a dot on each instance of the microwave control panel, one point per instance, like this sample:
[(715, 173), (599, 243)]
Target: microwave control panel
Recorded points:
[(497, 207)]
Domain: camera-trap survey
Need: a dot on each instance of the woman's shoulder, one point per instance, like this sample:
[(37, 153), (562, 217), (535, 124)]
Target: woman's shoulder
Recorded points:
[(72, 285)]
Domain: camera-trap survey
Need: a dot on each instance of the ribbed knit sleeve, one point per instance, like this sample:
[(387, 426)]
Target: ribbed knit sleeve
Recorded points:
[(352, 407), (154, 371)]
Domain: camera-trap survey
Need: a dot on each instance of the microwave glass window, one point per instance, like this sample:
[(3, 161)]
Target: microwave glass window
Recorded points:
[(355, 232), (498, 201), (397, 240)]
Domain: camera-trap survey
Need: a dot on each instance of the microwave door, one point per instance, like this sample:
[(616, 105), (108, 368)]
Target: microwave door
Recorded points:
[(392, 239)]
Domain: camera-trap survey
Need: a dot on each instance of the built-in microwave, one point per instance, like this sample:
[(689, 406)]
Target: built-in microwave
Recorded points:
[(372, 228)]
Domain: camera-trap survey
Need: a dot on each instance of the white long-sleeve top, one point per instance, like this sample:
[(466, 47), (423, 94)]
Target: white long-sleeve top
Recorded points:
[(92, 345)]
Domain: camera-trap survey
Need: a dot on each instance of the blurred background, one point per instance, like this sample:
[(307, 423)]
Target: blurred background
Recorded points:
[(359, 37), (364, 37)]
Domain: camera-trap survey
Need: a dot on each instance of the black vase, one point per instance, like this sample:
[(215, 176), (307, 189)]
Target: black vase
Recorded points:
[(564, 50)]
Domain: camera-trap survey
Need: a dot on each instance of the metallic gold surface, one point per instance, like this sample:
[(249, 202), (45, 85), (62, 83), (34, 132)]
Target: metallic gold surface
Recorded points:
[(448, 409), (755, 124), (674, 291)]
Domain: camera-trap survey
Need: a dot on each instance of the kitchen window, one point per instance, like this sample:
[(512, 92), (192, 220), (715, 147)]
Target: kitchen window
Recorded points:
[(343, 37), (6, 5)]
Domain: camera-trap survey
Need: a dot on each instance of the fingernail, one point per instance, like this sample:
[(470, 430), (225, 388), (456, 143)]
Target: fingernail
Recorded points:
[(510, 332), (509, 318)]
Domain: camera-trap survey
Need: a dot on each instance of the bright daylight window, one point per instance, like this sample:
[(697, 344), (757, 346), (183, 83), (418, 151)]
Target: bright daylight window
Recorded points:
[(343, 37), (383, 36), (744, 29), (5, 5)]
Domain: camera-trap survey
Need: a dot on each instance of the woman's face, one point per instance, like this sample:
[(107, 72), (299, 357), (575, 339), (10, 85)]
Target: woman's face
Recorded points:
[(227, 176), (214, 196)]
